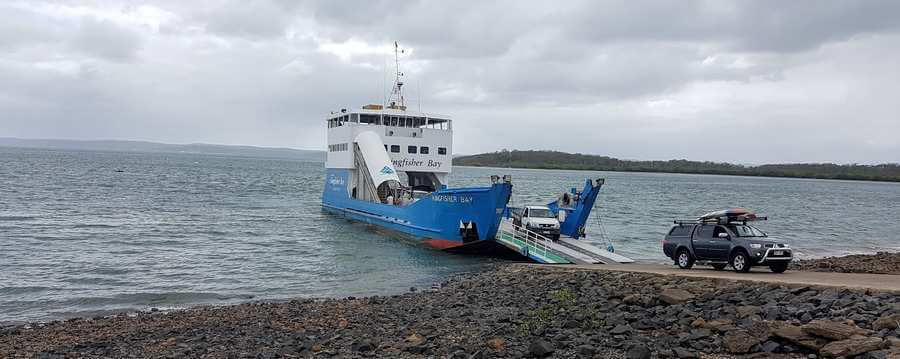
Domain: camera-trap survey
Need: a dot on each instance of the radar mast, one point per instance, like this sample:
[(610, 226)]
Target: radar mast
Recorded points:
[(396, 101)]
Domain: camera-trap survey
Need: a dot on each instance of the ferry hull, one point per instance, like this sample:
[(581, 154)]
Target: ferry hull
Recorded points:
[(445, 219)]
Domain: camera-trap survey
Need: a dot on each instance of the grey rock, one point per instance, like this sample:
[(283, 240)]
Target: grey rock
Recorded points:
[(540, 348), (770, 347), (638, 351), (740, 341), (891, 321), (621, 329), (586, 350), (699, 334), (833, 330), (682, 353), (851, 347), (675, 296)]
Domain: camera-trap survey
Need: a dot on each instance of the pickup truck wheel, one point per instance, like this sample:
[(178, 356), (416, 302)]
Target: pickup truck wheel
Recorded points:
[(778, 267), (740, 262), (684, 259), (719, 266)]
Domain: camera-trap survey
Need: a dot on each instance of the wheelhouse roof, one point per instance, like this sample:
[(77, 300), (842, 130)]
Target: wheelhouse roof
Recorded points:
[(392, 112)]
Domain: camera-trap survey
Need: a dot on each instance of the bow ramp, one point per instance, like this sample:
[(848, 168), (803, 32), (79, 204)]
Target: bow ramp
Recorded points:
[(543, 250)]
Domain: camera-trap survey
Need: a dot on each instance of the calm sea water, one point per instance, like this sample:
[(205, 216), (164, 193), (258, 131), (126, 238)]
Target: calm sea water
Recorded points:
[(89, 232)]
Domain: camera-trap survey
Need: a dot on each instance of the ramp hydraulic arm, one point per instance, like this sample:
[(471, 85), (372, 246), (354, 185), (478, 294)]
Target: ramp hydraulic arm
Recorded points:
[(576, 207)]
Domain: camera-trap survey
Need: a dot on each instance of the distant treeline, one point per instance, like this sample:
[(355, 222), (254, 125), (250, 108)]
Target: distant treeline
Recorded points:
[(577, 161)]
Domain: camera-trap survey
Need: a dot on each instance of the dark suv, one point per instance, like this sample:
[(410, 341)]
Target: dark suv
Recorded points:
[(723, 243)]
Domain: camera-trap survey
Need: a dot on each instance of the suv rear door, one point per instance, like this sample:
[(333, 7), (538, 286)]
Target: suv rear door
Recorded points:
[(702, 241)]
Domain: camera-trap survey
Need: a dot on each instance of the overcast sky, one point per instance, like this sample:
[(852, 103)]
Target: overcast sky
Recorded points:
[(746, 81)]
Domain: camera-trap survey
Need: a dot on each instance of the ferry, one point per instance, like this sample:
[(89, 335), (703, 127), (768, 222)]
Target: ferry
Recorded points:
[(389, 166)]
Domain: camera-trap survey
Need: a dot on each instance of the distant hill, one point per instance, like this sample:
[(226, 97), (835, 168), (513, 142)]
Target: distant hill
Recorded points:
[(143, 146), (562, 160)]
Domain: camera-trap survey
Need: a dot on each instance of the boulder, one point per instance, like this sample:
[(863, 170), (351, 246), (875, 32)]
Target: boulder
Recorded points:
[(796, 335), (363, 346), (833, 330), (621, 329), (760, 330), (740, 341), (586, 351), (747, 310), (851, 347), (540, 348), (638, 351), (415, 339), (496, 344), (891, 321), (720, 325), (682, 353), (632, 299), (675, 296), (770, 347)]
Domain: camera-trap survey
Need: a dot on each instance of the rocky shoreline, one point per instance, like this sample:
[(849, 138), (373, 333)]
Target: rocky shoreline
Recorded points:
[(511, 311), (880, 263)]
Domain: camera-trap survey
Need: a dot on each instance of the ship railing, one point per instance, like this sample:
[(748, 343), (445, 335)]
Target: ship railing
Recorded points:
[(533, 240)]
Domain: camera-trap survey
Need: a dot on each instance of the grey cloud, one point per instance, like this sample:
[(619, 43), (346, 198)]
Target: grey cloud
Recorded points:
[(22, 28), (635, 80), (253, 19), (737, 26), (107, 40)]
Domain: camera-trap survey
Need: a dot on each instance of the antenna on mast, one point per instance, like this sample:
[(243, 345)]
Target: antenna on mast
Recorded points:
[(396, 100)]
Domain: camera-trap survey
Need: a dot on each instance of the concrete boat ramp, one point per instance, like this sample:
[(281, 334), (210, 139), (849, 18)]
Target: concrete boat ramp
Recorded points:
[(541, 249), (881, 282), (573, 254)]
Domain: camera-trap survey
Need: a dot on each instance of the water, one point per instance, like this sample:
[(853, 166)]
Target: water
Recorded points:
[(89, 232)]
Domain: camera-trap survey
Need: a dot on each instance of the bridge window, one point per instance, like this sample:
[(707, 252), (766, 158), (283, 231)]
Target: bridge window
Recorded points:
[(411, 149), (442, 150), (395, 148), (423, 150), (368, 119)]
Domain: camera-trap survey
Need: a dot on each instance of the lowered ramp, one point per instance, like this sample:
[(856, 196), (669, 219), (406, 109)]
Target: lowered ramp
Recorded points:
[(602, 255), (543, 250)]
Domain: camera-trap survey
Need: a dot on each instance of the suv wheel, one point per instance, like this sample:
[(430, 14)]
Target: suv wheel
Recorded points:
[(778, 267), (740, 262), (684, 259), (720, 266)]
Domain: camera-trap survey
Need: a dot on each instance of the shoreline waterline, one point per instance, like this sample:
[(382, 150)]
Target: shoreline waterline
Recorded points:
[(510, 310)]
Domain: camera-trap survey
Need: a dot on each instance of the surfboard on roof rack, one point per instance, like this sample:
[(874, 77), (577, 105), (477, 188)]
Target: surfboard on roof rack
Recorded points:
[(732, 214)]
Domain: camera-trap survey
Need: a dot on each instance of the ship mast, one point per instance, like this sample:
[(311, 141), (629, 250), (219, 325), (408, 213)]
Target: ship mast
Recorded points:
[(396, 101)]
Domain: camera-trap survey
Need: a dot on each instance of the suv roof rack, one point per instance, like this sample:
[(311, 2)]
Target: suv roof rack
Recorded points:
[(720, 220)]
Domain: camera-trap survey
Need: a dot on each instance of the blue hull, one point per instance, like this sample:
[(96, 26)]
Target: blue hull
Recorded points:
[(445, 219)]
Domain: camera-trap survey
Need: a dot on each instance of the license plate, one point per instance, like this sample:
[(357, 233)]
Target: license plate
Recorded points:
[(778, 253)]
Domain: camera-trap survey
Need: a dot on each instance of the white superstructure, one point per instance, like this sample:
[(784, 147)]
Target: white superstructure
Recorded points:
[(419, 145)]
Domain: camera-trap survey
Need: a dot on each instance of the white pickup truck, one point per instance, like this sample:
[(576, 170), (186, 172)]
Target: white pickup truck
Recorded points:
[(539, 219)]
